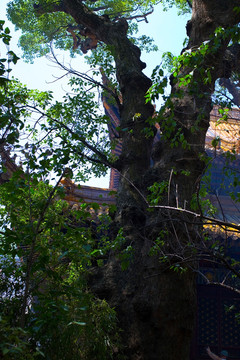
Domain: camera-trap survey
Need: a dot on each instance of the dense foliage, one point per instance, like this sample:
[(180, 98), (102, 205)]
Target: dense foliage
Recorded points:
[(46, 246)]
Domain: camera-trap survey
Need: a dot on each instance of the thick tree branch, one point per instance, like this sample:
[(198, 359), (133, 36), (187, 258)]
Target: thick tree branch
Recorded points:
[(48, 8), (229, 85), (209, 15), (231, 61), (111, 33), (231, 64), (189, 3)]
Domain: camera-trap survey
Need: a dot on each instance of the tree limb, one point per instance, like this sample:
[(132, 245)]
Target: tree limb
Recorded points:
[(189, 3), (229, 85), (48, 8)]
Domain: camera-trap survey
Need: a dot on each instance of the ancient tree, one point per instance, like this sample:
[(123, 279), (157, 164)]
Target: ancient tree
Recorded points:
[(155, 302)]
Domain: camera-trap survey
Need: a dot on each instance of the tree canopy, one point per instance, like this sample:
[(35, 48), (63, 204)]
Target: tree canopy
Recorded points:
[(40, 31)]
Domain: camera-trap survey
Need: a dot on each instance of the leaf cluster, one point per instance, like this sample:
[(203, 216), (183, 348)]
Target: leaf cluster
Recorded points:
[(39, 32), (11, 56), (183, 6), (46, 250)]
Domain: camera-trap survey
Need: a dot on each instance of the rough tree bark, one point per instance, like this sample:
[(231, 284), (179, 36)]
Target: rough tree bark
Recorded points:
[(155, 306)]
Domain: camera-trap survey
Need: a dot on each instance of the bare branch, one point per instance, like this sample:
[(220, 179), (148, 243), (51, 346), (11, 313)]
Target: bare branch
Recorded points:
[(143, 16), (86, 77), (89, 158), (225, 286), (102, 157)]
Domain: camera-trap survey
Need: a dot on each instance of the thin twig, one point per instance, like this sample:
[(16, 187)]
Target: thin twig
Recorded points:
[(169, 185), (103, 157), (84, 76)]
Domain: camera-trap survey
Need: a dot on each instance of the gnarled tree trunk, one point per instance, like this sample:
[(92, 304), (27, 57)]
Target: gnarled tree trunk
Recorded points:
[(155, 305)]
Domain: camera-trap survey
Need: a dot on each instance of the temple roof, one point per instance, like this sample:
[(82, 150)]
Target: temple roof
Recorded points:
[(76, 194)]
